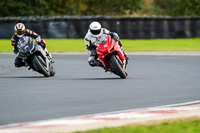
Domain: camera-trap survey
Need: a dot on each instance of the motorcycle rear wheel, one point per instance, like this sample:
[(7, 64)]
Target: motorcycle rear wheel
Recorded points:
[(117, 67)]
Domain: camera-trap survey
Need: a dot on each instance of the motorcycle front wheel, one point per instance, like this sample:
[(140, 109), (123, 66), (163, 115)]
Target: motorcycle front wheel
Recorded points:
[(52, 70), (40, 65), (117, 67)]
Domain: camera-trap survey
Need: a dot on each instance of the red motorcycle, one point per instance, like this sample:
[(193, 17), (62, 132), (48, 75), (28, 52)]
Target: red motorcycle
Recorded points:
[(111, 55)]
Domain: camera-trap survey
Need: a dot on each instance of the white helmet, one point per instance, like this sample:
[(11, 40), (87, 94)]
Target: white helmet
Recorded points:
[(19, 29), (95, 28)]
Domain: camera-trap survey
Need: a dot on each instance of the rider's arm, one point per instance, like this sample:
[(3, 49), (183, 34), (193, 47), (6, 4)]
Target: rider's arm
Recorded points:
[(87, 42), (112, 34), (90, 48), (105, 31), (35, 36), (31, 34), (14, 42)]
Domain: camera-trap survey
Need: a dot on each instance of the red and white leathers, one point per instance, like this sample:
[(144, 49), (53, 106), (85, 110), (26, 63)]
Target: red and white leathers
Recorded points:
[(14, 42), (15, 38)]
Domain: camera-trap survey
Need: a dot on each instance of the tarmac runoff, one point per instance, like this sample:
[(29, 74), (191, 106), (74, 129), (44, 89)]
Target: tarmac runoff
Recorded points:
[(111, 119)]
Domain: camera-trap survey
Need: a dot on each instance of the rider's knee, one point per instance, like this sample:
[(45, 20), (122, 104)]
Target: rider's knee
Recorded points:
[(91, 61), (18, 62), (19, 65)]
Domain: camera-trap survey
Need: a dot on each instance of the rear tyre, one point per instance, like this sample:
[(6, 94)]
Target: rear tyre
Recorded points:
[(117, 67), (40, 65)]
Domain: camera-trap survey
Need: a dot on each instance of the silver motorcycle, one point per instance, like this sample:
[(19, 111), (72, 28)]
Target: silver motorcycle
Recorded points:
[(34, 56)]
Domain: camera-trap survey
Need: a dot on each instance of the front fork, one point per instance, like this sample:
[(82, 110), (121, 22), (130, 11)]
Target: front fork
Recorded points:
[(47, 60), (124, 64)]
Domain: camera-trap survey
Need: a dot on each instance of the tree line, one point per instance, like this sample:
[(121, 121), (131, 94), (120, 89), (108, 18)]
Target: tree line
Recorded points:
[(178, 7), (97, 7)]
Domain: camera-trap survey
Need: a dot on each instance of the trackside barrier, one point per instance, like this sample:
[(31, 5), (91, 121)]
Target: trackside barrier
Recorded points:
[(127, 27)]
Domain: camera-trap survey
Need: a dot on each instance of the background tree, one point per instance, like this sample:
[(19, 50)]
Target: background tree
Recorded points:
[(67, 7), (99, 7), (23, 7), (111, 7), (177, 7)]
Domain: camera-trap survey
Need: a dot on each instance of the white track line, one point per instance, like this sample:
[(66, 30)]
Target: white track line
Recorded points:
[(180, 104)]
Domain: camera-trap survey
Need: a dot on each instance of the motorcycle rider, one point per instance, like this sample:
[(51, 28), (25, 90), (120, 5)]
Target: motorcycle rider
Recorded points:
[(20, 31), (94, 33)]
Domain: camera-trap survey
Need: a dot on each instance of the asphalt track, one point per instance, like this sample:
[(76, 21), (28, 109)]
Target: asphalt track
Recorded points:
[(78, 89)]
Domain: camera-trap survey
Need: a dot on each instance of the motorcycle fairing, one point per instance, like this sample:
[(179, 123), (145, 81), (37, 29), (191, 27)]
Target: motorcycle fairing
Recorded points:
[(106, 47)]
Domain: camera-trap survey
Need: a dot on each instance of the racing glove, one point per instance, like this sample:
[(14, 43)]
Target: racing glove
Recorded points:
[(114, 36), (38, 39)]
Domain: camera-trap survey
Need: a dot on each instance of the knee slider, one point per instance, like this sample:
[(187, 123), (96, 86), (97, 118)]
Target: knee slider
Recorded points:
[(91, 63)]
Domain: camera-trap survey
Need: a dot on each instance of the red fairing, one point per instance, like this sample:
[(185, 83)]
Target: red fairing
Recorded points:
[(108, 47)]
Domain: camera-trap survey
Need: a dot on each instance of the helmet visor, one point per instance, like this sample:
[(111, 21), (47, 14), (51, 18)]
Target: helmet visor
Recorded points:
[(95, 32), (19, 32)]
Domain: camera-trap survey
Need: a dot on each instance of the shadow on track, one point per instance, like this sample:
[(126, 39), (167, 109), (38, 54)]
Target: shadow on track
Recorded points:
[(117, 78), (24, 77), (90, 79), (97, 78)]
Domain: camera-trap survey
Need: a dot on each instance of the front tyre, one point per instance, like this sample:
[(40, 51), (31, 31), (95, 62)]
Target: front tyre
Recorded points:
[(52, 70), (40, 65), (117, 67)]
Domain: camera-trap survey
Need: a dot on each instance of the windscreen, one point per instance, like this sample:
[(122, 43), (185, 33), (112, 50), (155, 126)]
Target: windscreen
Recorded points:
[(101, 40)]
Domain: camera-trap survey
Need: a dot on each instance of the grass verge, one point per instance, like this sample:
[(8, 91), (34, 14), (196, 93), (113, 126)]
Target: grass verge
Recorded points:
[(77, 45), (175, 126)]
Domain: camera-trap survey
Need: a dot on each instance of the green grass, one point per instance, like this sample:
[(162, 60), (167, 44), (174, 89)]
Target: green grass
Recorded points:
[(187, 126), (78, 45), (162, 45)]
